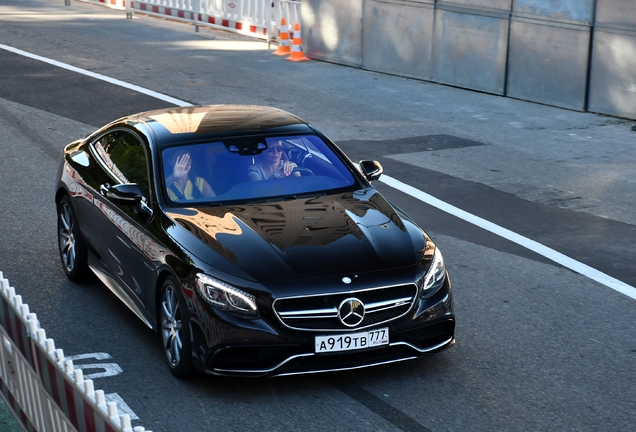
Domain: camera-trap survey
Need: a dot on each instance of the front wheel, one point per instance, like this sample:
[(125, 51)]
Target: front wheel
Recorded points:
[(175, 330), (73, 251)]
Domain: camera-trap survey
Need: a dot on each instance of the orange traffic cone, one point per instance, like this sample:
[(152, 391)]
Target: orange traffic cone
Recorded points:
[(297, 46), (283, 39)]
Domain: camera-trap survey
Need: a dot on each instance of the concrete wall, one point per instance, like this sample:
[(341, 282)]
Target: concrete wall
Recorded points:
[(577, 54)]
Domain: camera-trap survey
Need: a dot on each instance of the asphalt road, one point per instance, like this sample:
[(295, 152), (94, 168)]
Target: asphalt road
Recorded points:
[(540, 347)]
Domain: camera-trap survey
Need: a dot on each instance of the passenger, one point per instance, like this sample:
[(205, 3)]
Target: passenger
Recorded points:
[(272, 163), (179, 184)]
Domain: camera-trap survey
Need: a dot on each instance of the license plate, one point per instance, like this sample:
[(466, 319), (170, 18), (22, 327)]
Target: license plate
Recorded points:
[(352, 341)]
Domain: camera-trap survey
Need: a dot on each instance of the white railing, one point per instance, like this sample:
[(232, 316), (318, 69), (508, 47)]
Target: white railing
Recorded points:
[(288, 9), (42, 388), (257, 18)]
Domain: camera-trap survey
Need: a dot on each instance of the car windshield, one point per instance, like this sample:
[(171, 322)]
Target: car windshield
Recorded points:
[(251, 169)]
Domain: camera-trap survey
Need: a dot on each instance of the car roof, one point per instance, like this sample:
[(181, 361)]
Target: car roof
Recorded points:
[(200, 123)]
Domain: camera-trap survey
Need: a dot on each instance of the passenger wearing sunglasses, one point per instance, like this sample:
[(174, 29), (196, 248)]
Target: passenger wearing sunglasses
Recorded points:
[(272, 163)]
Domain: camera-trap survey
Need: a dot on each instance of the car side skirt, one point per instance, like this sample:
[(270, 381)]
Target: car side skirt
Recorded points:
[(112, 285)]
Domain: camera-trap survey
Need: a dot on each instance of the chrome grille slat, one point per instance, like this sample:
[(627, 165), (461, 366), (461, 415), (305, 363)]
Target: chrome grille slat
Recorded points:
[(310, 316), (308, 313), (374, 307), (382, 304)]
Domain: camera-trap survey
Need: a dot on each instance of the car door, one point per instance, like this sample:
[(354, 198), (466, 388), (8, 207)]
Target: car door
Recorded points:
[(121, 235)]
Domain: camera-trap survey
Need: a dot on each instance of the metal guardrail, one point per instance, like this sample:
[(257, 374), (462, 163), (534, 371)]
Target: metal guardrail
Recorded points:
[(42, 388)]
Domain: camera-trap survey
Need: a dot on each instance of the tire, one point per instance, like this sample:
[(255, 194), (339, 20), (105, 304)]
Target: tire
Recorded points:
[(72, 246), (174, 330)]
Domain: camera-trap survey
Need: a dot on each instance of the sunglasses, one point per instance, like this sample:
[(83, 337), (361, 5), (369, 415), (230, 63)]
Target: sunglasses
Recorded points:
[(278, 148)]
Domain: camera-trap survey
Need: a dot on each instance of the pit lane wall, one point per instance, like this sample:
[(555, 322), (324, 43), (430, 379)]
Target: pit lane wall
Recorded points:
[(43, 390), (576, 54)]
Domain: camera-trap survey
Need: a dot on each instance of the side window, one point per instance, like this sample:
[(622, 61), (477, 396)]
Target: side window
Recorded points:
[(123, 153)]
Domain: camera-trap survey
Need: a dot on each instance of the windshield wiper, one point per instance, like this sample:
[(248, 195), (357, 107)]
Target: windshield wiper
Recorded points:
[(261, 200), (304, 195)]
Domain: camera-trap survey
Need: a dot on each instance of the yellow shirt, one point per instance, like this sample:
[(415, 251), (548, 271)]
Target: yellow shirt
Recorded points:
[(187, 190)]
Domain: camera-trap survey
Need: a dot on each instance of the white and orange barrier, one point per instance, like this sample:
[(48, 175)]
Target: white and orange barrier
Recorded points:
[(42, 388), (250, 17), (257, 18), (284, 9), (115, 4)]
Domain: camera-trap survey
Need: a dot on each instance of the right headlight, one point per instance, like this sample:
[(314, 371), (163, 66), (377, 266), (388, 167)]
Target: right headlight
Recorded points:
[(227, 298), (433, 279)]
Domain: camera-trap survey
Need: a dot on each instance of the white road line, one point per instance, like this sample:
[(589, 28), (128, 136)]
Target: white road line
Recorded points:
[(532, 245), (97, 76)]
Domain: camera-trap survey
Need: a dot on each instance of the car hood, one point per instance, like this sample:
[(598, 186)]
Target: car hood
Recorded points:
[(341, 234)]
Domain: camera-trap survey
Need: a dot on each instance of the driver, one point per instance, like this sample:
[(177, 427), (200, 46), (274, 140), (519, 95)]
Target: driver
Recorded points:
[(272, 163)]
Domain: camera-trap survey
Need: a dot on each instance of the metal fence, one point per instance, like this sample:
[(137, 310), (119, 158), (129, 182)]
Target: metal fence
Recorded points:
[(40, 386)]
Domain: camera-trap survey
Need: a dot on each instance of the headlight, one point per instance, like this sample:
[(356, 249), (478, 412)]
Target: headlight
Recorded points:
[(226, 297), (434, 277)]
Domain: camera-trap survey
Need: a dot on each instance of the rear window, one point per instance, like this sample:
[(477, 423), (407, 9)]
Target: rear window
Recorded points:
[(252, 168)]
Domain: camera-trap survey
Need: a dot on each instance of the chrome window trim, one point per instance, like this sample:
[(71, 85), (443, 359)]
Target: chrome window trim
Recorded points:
[(101, 158)]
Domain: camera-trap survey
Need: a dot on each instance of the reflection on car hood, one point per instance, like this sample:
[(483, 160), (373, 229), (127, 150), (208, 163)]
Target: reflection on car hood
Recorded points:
[(340, 234)]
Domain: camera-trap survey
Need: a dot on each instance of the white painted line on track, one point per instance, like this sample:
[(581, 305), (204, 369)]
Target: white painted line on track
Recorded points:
[(97, 76), (532, 245)]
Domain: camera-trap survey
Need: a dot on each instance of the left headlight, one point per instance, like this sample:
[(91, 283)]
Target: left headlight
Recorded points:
[(227, 298), (433, 280)]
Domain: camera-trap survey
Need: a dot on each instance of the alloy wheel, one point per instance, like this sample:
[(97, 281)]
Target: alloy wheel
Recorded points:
[(73, 251), (171, 326), (174, 329), (66, 233)]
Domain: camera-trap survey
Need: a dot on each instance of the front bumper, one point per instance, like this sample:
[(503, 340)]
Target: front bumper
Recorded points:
[(427, 329)]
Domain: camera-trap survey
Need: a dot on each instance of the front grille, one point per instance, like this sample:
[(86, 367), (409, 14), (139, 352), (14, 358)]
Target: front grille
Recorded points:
[(430, 335), (272, 361), (320, 312), (248, 357), (348, 360)]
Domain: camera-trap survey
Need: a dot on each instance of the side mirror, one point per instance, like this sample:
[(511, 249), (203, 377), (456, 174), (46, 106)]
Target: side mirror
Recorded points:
[(128, 193), (372, 170)]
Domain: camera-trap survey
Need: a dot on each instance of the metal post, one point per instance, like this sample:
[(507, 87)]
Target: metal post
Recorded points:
[(197, 11), (269, 23), (129, 10)]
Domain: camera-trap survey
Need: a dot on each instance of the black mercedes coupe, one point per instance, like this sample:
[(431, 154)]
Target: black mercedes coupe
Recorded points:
[(250, 243)]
